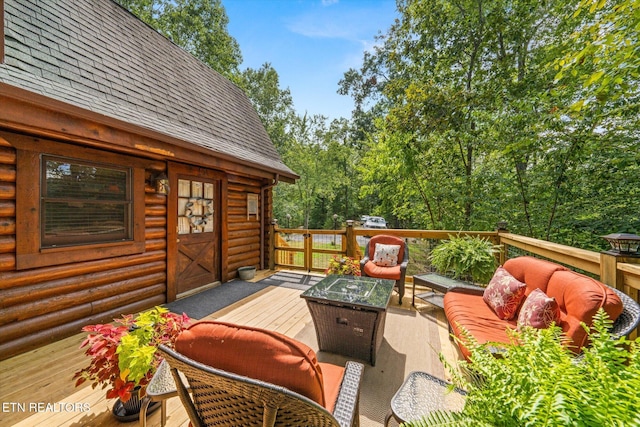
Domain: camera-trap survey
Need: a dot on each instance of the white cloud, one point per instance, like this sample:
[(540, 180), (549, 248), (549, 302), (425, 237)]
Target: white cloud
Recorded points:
[(349, 21), (329, 2)]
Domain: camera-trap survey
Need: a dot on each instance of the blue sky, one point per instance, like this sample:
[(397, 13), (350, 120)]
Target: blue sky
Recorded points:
[(310, 43)]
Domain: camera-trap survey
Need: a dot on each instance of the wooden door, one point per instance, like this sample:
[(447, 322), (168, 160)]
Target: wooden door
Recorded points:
[(197, 249)]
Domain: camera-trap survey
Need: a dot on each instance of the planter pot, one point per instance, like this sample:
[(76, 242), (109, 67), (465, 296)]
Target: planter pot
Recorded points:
[(130, 410), (246, 273)]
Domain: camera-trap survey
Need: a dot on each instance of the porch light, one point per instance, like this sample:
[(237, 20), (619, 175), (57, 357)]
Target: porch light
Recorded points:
[(502, 225), (162, 184), (623, 243)]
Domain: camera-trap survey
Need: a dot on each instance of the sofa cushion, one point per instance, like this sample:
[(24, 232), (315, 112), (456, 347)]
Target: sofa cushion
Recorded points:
[(504, 293), (579, 298), (538, 310), (260, 354), (392, 273), (532, 271), (386, 255), (471, 313)]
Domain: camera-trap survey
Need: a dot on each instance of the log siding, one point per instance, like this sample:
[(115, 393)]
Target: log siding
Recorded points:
[(243, 232), (42, 305)]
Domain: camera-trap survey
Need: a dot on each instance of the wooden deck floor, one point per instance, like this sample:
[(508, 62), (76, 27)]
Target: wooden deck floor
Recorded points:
[(36, 388)]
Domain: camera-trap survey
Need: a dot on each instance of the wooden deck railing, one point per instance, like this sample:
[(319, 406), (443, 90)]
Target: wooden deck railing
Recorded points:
[(311, 249)]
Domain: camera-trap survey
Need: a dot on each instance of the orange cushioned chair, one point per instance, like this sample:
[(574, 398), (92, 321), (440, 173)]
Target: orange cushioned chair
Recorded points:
[(379, 267), (240, 375)]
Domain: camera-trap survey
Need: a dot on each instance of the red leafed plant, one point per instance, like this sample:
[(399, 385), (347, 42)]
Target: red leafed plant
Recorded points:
[(123, 353)]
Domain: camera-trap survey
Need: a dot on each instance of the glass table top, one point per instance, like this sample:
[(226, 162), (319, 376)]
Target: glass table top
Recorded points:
[(365, 291)]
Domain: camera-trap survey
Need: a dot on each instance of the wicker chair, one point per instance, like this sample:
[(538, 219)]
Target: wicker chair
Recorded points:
[(397, 272), (240, 390)]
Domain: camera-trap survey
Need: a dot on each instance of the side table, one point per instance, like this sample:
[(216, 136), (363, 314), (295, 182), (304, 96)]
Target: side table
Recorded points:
[(420, 394), (439, 284), (160, 388)]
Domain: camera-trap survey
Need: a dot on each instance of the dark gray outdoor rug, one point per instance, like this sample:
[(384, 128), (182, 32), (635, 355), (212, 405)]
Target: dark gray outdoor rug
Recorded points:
[(211, 300), (292, 280)]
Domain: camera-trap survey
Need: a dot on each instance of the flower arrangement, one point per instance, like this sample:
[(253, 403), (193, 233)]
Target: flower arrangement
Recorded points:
[(123, 354), (343, 266)]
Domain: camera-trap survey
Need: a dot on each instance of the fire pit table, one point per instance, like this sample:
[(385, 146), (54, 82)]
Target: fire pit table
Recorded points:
[(348, 313)]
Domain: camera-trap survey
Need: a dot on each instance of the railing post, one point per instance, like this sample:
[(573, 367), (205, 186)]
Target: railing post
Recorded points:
[(610, 275), (351, 240), (308, 250), (501, 227), (272, 244)]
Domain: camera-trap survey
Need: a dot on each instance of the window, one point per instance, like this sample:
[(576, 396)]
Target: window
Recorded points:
[(195, 206), (83, 202), (76, 203)]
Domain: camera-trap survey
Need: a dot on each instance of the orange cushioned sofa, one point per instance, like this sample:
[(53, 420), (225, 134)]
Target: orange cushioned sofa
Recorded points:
[(578, 298)]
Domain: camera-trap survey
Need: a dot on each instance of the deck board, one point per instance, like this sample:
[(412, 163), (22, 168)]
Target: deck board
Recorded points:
[(412, 341)]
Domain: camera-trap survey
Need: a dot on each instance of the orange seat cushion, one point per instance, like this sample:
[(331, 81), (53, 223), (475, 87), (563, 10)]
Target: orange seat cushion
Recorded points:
[(474, 315), (263, 355), (332, 375), (373, 270)]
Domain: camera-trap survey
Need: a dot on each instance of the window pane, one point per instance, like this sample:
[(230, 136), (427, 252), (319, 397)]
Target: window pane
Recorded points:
[(84, 203), (72, 180), (104, 222)]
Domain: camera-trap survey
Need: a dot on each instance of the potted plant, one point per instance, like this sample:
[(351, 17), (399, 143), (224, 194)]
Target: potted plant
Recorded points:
[(468, 258), (123, 355), (343, 265), (541, 382)]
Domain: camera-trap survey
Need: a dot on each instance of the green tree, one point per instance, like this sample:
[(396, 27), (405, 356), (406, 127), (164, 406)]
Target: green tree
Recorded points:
[(273, 104)]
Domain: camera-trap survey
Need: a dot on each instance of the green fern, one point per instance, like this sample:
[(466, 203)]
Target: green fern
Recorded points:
[(540, 382), (467, 258)]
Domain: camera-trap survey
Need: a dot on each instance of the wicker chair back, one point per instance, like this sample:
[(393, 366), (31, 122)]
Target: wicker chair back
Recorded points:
[(222, 398)]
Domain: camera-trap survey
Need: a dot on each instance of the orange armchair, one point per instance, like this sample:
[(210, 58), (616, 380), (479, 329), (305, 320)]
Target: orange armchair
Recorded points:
[(240, 376), (382, 263)]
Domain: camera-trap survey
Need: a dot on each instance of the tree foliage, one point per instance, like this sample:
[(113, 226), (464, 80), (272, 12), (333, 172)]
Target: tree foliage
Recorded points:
[(478, 121), (467, 112)]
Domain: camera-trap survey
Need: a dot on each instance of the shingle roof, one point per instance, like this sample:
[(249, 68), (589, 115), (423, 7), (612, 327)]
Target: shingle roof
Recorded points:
[(97, 56)]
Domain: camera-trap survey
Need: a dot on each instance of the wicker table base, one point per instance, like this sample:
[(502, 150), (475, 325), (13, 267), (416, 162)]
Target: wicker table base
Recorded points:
[(420, 394), (349, 314), (348, 331)]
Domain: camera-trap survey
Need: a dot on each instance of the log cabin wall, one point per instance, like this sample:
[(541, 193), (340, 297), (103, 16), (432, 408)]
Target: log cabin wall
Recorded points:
[(243, 229), (42, 305)]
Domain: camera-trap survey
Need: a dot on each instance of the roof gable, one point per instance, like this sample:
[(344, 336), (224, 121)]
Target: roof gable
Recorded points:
[(96, 55)]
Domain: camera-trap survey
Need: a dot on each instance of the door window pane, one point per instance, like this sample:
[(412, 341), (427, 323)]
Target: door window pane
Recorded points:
[(195, 206)]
